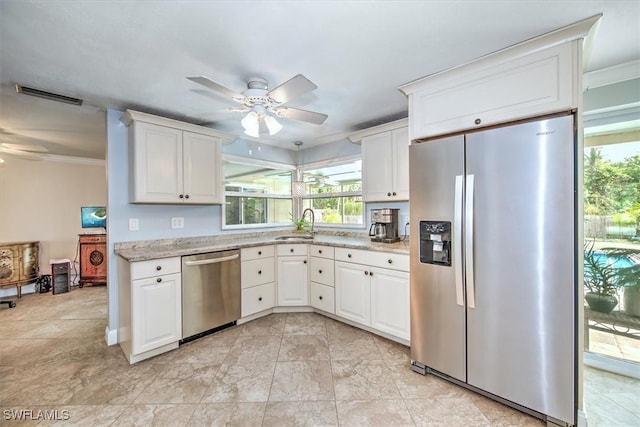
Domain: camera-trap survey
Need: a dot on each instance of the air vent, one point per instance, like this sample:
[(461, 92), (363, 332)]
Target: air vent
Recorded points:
[(47, 95)]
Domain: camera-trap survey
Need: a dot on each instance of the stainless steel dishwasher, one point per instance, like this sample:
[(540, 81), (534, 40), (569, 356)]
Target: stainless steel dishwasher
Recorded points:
[(210, 292)]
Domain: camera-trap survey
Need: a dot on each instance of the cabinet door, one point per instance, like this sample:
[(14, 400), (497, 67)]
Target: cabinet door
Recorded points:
[(322, 297), (400, 167), (257, 299), (353, 292), (376, 167), (292, 281), (93, 261), (156, 155), (156, 312), (202, 169), (390, 302)]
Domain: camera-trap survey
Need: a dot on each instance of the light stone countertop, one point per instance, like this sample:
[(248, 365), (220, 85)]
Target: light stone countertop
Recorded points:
[(154, 249)]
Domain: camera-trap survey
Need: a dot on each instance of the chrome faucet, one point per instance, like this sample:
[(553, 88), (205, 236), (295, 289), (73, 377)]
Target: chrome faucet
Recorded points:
[(313, 217)]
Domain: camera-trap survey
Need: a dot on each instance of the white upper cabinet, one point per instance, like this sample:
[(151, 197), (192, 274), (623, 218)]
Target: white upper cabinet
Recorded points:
[(537, 77), (173, 162), (385, 166)]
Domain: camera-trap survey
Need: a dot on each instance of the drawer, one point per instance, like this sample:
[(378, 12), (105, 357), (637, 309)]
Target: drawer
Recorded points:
[(389, 260), (258, 298), (322, 297), (257, 252), (292, 249), (87, 238), (321, 270), (257, 271), (155, 267), (321, 251)]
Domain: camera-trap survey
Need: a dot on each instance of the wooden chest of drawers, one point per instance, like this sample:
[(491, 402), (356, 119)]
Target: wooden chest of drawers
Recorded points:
[(93, 259)]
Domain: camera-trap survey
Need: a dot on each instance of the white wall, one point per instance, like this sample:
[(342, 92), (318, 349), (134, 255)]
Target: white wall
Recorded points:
[(41, 200)]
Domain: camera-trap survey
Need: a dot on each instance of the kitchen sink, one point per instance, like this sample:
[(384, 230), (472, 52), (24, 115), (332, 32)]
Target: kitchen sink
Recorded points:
[(303, 237)]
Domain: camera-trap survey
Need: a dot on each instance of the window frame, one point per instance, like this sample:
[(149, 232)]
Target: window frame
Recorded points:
[(327, 163), (264, 164)]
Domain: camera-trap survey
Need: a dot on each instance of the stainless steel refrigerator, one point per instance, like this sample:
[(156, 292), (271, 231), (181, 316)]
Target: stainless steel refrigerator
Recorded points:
[(493, 271)]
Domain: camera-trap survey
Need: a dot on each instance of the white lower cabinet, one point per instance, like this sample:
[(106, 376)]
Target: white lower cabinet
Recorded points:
[(322, 297), (353, 292), (293, 284), (322, 278), (156, 320), (371, 295), (258, 279), (390, 302), (257, 299), (150, 307)]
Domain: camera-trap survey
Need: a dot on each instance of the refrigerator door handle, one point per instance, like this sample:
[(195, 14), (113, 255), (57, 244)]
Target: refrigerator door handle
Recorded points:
[(468, 243), (457, 241)]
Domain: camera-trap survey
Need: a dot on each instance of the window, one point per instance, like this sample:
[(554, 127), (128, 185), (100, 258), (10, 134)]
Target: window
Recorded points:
[(257, 193), (334, 192)]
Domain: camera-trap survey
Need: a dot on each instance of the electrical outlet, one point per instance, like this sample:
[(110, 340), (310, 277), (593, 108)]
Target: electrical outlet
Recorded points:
[(134, 224), (177, 222)]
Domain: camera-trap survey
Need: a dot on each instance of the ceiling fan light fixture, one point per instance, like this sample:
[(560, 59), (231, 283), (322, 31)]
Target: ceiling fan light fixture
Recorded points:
[(251, 124), (272, 124)]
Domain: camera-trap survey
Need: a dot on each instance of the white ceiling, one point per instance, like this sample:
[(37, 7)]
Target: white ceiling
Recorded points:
[(137, 54)]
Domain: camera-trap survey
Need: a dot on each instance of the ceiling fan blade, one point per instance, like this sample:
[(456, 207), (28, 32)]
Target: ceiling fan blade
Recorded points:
[(207, 82), (292, 88), (302, 115)]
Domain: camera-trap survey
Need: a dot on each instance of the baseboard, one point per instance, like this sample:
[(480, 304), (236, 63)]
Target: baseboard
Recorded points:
[(609, 364), (582, 419), (110, 336)]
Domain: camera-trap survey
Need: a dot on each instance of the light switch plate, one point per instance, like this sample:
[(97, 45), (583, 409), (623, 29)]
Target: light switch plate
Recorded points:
[(134, 224), (177, 222)]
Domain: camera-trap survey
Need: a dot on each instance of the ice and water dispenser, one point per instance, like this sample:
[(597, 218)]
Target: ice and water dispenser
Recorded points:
[(435, 242)]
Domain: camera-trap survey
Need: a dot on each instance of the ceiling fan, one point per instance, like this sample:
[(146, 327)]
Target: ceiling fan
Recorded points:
[(264, 105)]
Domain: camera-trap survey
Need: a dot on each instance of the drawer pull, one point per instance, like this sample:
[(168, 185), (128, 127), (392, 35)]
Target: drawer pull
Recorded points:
[(348, 255), (291, 250), (319, 251), (159, 279), (158, 267), (259, 252), (259, 298), (305, 261), (259, 271), (390, 261), (320, 271), (320, 297)]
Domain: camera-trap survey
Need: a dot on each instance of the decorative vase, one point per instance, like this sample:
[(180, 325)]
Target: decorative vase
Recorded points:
[(601, 303), (631, 300)]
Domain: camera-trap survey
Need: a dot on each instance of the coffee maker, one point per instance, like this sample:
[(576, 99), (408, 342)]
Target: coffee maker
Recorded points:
[(384, 225)]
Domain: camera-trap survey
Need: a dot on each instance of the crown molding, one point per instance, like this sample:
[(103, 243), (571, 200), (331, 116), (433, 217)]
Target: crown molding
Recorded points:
[(607, 76)]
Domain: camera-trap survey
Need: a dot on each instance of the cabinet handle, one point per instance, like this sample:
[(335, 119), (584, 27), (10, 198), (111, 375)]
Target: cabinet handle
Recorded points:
[(389, 194), (320, 271), (259, 298), (477, 121), (319, 251), (291, 250), (390, 261), (159, 279), (394, 193), (259, 252), (259, 271), (320, 297), (371, 273), (348, 255), (186, 197), (181, 196), (305, 261), (366, 273), (158, 267)]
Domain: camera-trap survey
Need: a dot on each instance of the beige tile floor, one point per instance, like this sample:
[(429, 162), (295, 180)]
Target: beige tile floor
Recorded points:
[(281, 370)]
